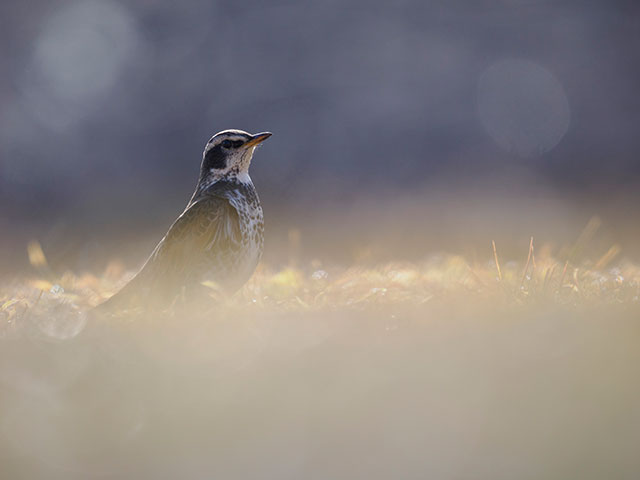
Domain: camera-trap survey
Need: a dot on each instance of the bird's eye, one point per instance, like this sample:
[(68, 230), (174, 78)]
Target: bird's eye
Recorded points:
[(227, 143)]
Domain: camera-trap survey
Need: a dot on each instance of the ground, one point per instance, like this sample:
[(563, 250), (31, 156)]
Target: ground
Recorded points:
[(445, 368)]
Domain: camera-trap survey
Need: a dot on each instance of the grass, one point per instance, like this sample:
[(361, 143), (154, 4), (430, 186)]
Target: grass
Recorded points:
[(446, 368), (541, 279)]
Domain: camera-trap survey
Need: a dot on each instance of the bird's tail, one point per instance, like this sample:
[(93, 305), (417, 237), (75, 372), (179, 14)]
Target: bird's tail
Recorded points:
[(128, 298)]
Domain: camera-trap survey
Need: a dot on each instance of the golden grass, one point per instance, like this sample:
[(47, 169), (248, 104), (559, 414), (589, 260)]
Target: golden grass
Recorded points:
[(446, 368), (441, 279)]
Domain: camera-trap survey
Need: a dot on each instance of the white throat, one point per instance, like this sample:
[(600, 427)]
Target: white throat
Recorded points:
[(237, 169)]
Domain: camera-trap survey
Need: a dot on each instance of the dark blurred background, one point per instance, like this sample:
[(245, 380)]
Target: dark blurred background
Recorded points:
[(410, 125)]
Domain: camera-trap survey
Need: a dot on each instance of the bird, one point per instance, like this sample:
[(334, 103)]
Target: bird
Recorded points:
[(217, 240)]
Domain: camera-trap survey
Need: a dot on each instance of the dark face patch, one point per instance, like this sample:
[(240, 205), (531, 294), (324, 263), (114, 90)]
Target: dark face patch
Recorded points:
[(231, 144), (216, 158)]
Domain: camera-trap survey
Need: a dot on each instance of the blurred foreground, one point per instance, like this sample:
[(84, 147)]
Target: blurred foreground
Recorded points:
[(440, 369)]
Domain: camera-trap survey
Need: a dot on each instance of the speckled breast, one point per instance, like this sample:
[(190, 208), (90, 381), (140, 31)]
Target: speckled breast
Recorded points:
[(240, 264), (252, 228)]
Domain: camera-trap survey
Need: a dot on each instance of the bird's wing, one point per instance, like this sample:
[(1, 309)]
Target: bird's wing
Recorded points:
[(205, 230), (194, 243)]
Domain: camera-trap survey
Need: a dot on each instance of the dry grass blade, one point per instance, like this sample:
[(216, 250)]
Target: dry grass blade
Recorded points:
[(564, 273), (608, 257), (526, 267), (36, 255), (495, 257), (547, 277)]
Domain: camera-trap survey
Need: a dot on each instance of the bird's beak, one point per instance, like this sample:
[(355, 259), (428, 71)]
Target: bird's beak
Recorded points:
[(257, 138)]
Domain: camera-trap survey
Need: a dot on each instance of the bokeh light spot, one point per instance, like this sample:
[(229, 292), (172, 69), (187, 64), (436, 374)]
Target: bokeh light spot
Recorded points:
[(523, 107), (82, 50), (78, 58)]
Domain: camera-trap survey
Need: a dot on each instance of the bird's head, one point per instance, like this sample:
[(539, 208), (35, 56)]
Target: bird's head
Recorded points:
[(228, 155)]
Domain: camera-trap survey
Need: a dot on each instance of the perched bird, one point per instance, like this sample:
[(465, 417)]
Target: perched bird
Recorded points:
[(217, 239)]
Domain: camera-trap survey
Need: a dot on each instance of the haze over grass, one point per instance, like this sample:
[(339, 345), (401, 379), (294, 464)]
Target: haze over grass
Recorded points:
[(446, 368)]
